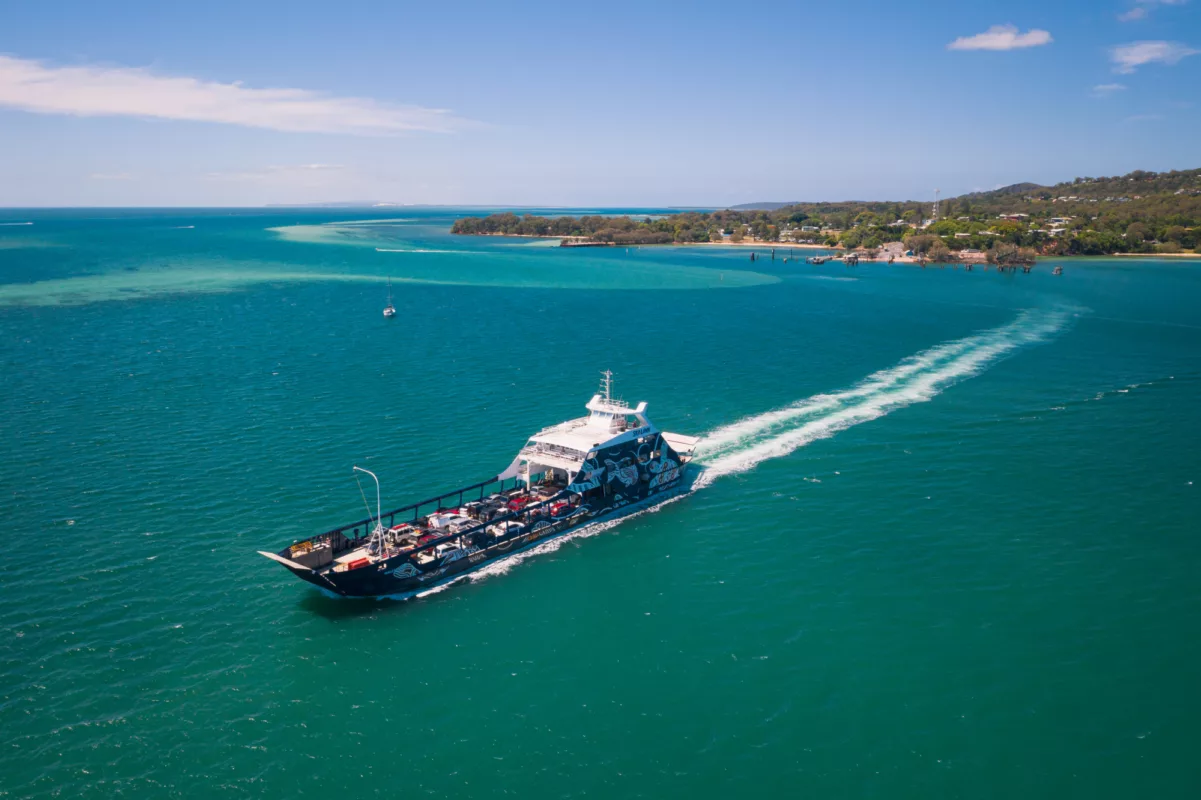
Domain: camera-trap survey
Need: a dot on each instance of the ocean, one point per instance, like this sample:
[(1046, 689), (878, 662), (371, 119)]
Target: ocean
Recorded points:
[(942, 542)]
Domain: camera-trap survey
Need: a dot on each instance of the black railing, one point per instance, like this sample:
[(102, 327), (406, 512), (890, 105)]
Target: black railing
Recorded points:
[(351, 531)]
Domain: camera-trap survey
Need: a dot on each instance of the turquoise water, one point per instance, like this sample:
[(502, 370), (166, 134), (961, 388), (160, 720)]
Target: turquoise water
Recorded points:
[(945, 543)]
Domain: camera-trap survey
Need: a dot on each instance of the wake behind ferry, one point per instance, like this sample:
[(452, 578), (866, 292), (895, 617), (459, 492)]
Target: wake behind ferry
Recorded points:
[(610, 463)]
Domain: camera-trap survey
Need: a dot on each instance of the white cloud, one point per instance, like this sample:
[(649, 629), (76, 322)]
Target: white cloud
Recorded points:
[(111, 176), (1002, 37), (277, 172), (124, 91), (310, 167), (1142, 9), (1106, 89), (1129, 57)]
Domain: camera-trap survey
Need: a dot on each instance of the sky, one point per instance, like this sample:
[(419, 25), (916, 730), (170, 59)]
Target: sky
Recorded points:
[(569, 104)]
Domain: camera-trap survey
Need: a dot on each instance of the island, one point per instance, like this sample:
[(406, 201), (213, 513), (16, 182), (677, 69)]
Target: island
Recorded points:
[(1138, 213)]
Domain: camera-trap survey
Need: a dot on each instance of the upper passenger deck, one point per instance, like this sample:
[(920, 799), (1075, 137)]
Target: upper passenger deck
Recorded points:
[(607, 422), (566, 445)]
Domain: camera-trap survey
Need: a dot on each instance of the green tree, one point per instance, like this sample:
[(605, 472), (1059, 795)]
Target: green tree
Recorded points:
[(921, 243), (1136, 232), (1010, 255), (940, 252)]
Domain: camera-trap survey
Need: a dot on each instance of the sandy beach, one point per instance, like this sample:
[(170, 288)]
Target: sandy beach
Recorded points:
[(760, 244), (727, 243), (1153, 255)]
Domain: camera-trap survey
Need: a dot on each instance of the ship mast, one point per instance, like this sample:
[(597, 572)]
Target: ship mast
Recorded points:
[(607, 385)]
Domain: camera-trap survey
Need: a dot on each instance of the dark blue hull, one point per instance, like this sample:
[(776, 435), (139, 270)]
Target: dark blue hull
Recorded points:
[(382, 580)]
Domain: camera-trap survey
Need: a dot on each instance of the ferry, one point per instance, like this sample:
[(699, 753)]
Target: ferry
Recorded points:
[(610, 463)]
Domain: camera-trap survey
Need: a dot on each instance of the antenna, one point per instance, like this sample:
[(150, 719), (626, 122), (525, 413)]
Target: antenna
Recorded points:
[(607, 385), (936, 191)]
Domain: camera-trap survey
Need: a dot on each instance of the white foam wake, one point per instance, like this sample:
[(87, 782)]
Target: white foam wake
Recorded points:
[(721, 439), (743, 445)]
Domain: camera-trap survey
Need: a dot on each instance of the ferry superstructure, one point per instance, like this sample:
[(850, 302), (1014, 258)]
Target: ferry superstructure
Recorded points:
[(609, 463)]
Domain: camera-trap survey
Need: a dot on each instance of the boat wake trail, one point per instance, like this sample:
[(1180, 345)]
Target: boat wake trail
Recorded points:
[(742, 445)]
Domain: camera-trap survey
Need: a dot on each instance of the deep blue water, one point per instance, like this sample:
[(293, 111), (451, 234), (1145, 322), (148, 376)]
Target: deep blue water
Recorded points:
[(945, 544)]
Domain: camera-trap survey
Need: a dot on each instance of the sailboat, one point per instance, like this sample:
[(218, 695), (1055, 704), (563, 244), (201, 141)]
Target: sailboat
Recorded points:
[(389, 310)]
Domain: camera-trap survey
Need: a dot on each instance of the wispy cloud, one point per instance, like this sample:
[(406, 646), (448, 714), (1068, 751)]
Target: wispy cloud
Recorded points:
[(1002, 37), (1127, 58), (111, 176), (125, 91), (1106, 89), (280, 172), (1142, 9)]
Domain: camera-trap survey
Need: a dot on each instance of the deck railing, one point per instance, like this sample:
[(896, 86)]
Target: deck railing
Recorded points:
[(355, 532), (557, 450), (362, 528)]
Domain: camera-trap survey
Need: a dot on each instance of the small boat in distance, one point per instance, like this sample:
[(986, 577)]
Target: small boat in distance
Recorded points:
[(1058, 270), (389, 310)]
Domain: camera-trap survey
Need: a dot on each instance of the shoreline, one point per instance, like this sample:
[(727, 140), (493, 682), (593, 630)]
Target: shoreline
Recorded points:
[(791, 246), (754, 243), (1142, 255)]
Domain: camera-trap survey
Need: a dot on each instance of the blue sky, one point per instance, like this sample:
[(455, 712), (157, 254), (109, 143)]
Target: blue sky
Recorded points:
[(586, 104)]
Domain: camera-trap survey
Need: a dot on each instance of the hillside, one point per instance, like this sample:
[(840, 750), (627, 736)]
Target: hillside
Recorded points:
[(1017, 188), (1143, 212), (761, 206)]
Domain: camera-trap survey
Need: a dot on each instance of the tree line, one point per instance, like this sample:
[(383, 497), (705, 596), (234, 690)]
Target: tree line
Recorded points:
[(1142, 212)]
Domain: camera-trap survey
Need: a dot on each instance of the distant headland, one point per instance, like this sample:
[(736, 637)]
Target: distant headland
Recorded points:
[(1138, 213)]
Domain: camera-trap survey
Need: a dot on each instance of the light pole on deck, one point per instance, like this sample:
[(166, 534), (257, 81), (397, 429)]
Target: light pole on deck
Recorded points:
[(378, 518)]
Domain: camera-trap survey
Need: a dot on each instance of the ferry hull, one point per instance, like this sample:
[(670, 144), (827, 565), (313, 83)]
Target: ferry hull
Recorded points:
[(398, 578)]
